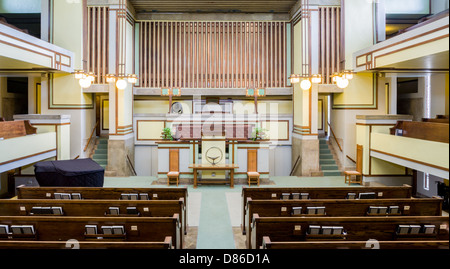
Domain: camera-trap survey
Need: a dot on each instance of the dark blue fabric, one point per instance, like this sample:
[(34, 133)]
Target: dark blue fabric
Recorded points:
[(79, 172)]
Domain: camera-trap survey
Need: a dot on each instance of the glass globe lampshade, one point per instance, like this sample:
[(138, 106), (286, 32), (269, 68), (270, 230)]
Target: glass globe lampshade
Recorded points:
[(121, 84), (316, 79), (305, 84), (294, 79), (348, 75), (110, 78), (342, 82), (85, 83), (91, 77), (132, 79)]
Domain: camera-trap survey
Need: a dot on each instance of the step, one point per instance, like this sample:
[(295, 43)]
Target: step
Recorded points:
[(323, 146), (101, 162), (329, 167), (325, 151), (325, 156), (102, 146), (332, 173), (100, 156), (101, 151), (103, 141), (327, 161)]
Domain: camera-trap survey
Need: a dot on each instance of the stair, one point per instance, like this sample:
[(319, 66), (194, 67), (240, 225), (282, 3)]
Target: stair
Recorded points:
[(327, 162), (100, 155)]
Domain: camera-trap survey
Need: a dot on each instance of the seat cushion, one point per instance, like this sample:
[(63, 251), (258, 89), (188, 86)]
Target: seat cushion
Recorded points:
[(173, 174), (253, 174)]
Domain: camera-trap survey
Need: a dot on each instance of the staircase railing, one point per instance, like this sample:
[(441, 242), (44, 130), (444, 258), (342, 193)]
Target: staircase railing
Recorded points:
[(131, 165), (92, 134), (334, 136)]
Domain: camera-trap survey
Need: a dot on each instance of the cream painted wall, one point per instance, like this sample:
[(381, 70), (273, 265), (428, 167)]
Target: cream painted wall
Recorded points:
[(359, 92), (81, 122), (159, 106), (22, 6), (125, 97), (358, 28), (343, 123), (297, 69), (439, 94)]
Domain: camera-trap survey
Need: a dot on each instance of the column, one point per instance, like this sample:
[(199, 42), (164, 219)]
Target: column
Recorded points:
[(121, 62)]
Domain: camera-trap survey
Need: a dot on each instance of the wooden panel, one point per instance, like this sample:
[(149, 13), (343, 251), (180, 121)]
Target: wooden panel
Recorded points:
[(98, 27), (329, 42), (174, 160), (10, 129), (252, 160), (432, 131), (212, 54), (359, 158)]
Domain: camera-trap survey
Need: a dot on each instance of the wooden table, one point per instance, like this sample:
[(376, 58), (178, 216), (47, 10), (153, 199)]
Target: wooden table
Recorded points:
[(224, 167)]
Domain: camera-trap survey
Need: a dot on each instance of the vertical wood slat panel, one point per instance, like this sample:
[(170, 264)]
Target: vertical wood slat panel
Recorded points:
[(329, 42), (213, 54), (97, 42)]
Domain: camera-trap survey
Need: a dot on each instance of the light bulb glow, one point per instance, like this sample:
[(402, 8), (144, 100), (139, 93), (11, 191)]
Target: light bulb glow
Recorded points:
[(78, 74), (85, 83), (132, 79), (316, 79), (342, 83), (91, 76), (121, 84), (305, 84), (110, 78), (294, 79)]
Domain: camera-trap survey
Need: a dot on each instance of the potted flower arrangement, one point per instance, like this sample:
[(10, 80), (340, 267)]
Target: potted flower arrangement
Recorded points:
[(167, 134), (258, 133)]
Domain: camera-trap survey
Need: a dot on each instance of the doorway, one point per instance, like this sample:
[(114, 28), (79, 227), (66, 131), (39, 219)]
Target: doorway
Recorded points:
[(13, 96)]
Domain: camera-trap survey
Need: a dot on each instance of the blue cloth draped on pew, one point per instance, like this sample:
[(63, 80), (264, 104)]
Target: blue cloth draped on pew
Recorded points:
[(73, 173)]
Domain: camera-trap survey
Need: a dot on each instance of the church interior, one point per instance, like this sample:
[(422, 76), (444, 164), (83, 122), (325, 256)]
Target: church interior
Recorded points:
[(239, 124)]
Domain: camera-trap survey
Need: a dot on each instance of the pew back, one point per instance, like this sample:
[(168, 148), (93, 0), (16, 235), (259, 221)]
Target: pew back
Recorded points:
[(355, 228), (420, 244), (11, 129), (341, 208), (275, 193), (100, 193), (166, 244), (432, 131), (136, 229)]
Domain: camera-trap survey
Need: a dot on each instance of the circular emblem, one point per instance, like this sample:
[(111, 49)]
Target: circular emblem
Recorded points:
[(214, 155)]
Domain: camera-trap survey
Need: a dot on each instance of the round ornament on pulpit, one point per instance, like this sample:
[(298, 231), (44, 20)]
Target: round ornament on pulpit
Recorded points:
[(214, 155)]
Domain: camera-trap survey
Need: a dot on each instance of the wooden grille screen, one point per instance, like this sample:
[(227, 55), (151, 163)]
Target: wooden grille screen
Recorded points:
[(97, 60), (329, 44), (212, 54)]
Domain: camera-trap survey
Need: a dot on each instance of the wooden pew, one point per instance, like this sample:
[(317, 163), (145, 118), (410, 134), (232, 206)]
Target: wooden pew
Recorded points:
[(11, 129), (95, 208), (420, 244), (341, 208), (11, 244), (432, 131), (136, 229), (275, 193), (355, 228), (102, 193)]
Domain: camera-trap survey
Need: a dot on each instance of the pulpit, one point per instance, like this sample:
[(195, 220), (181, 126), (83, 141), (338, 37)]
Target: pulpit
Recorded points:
[(213, 153)]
